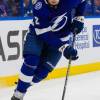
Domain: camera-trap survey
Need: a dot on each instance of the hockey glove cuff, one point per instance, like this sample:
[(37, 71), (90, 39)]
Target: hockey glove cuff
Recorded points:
[(77, 24)]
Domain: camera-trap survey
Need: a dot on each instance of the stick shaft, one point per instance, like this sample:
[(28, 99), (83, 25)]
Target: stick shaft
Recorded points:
[(68, 70)]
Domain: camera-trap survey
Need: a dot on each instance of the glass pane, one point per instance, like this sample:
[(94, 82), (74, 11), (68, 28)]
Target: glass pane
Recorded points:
[(97, 7), (88, 10), (93, 8), (9, 8), (27, 7), (15, 8)]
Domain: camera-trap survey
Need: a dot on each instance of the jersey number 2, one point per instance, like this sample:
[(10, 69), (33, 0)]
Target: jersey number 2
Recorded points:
[(37, 21)]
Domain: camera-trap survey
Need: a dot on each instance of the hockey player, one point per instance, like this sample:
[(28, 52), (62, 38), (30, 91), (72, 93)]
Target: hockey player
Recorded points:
[(52, 23)]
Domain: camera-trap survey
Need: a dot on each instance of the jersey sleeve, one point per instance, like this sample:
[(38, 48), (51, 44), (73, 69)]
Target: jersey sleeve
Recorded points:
[(79, 11)]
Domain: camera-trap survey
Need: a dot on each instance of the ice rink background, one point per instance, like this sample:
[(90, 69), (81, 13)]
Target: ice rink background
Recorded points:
[(80, 87)]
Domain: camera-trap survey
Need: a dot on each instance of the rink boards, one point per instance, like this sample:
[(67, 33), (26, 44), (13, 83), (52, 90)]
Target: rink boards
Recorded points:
[(12, 34)]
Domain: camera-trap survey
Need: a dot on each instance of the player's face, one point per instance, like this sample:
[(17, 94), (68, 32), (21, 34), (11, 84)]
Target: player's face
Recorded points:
[(97, 2), (53, 2)]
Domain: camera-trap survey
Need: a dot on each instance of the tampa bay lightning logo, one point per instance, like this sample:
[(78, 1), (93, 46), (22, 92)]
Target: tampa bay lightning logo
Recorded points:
[(38, 5), (59, 22)]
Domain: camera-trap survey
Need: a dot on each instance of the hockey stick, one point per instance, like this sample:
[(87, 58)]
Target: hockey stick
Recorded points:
[(68, 70)]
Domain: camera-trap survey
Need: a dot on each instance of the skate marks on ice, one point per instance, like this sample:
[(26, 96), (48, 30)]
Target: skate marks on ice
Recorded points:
[(80, 87)]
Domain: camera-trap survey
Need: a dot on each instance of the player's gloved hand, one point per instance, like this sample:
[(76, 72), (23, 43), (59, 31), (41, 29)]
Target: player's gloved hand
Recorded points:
[(77, 24), (70, 52)]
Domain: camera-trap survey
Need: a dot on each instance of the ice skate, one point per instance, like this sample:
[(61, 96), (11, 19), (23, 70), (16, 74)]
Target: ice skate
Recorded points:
[(14, 98), (17, 96)]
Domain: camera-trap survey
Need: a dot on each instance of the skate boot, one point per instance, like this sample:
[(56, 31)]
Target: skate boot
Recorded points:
[(14, 98), (17, 96)]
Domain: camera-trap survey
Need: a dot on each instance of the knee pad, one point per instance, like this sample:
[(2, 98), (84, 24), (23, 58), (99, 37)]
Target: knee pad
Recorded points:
[(30, 64), (31, 61), (41, 72)]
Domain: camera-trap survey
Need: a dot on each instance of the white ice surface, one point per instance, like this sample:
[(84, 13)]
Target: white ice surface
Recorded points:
[(80, 87)]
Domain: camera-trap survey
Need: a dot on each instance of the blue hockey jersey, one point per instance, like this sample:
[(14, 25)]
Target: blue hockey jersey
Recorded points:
[(53, 23)]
